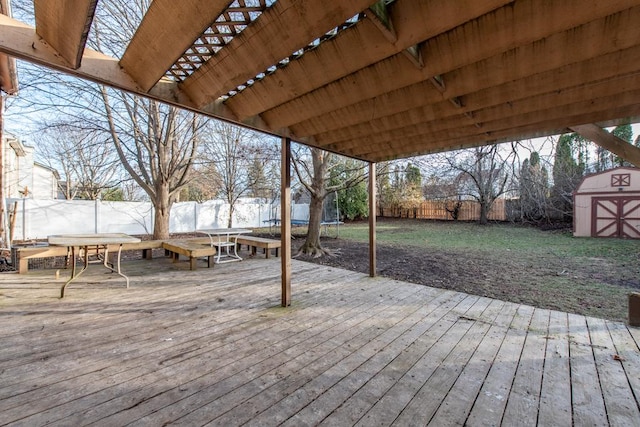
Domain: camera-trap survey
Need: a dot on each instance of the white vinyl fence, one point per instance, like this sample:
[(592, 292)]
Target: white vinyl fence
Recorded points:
[(37, 219)]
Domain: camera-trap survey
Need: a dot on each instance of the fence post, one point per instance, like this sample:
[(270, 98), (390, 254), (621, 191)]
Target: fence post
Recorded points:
[(195, 216), (24, 219), (96, 216)]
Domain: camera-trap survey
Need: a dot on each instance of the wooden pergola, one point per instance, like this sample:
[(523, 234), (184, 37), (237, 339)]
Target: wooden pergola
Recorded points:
[(373, 80)]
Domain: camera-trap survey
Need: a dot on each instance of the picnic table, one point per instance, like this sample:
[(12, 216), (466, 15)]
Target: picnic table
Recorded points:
[(225, 238), (83, 243)]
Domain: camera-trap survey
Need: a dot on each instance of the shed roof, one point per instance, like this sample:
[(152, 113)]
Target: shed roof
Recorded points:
[(616, 180), (370, 80)]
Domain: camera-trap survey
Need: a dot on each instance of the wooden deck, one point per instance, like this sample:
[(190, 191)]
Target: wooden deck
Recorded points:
[(213, 347)]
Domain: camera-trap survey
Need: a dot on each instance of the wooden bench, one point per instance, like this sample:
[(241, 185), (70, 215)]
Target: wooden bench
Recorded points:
[(191, 249), (146, 246), (24, 254), (254, 242)]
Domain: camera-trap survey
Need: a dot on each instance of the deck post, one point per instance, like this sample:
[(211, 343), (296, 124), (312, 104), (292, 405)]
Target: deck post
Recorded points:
[(285, 221), (372, 219)]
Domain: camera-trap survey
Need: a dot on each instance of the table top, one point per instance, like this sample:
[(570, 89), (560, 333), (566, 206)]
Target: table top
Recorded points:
[(222, 231), (91, 239)]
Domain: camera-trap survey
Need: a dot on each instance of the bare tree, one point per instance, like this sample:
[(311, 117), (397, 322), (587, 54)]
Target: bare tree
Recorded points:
[(203, 185), (155, 143), (483, 174), (312, 167), (158, 150), (232, 150), (86, 160)]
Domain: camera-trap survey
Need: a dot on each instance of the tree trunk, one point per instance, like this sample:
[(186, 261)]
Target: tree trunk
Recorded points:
[(162, 204), (484, 213), (312, 245), (230, 219)]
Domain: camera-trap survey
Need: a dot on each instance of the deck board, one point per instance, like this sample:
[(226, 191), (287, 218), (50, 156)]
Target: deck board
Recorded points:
[(491, 401), (622, 408), (588, 407), (214, 347), (555, 396)]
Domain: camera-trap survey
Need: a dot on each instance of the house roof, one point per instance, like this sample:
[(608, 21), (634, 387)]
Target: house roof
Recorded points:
[(370, 80), (54, 171)]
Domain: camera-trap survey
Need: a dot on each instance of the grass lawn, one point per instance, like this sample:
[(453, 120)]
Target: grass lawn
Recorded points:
[(549, 269)]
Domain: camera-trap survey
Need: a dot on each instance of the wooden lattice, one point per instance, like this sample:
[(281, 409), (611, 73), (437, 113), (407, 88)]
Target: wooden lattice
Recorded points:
[(297, 54), (238, 15)]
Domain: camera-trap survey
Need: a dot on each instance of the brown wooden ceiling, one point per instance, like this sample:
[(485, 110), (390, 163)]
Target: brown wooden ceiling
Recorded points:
[(374, 81)]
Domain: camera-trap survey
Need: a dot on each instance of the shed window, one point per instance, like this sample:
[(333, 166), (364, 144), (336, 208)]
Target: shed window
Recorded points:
[(621, 180)]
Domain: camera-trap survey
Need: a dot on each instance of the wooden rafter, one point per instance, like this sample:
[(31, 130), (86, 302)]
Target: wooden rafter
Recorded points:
[(64, 25), (337, 74), (517, 64), (538, 124), (333, 87), (264, 43), (535, 113), (365, 45), (610, 142), (440, 115), (164, 36)]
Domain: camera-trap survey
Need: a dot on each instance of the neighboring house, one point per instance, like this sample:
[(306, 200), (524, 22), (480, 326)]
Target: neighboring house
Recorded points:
[(23, 177)]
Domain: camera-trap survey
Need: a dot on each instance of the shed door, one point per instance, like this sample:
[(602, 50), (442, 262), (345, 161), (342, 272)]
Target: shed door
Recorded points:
[(616, 217)]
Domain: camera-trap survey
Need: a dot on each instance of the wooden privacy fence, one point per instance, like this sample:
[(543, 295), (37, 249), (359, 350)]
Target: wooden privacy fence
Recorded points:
[(437, 209)]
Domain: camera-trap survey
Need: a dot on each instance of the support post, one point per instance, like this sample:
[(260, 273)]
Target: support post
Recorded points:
[(285, 221), (3, 213), (372, 219)]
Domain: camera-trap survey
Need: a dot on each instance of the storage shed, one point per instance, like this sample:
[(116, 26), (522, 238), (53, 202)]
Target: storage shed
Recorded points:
[(607, 204)]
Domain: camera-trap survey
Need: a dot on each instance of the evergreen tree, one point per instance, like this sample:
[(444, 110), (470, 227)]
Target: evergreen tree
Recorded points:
[(606, 159), (384, 187), (567, 173), (257, 179), (534, 188), (625, 133), (352, 200)]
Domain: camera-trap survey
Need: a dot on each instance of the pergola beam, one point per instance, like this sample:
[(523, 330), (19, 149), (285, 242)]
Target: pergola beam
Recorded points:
[(307, 96), (414, 124), (19, 40), (558, 50), (364, 44), (582, 112), (163, 36), (609, 142), (64, 25), (265, 42)]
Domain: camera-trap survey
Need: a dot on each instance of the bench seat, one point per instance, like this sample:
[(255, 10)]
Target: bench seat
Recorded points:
[(146, 246), (191, 249), (25, 253), (254, 242)]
